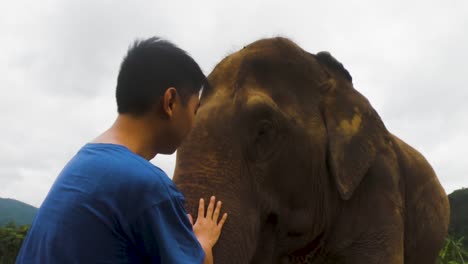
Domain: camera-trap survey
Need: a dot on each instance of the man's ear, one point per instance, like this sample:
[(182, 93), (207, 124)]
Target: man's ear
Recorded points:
[(168, 101)]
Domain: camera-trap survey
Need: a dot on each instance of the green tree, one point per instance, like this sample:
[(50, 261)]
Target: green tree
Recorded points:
[(11, 238)]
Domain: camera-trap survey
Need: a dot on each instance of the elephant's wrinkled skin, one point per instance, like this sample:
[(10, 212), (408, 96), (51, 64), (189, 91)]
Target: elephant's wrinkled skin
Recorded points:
[(305, 166)]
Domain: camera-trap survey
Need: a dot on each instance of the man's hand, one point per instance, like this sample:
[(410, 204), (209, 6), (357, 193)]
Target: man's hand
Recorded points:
[(207, 229)]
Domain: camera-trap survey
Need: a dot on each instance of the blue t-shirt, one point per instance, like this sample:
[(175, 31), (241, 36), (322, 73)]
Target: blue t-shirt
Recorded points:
[(109, 205)]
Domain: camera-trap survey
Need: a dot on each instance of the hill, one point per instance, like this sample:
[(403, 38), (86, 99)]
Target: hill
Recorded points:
[(459, 214), (16, 211)]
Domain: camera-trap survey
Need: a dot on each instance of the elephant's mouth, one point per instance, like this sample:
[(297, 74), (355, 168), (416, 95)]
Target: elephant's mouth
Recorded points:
[(311, 248)]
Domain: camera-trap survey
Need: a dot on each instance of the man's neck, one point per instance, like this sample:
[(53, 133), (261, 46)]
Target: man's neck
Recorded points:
[(132, 133)]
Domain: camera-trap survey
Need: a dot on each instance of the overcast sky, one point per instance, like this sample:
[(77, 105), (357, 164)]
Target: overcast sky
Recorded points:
[(59, 61)]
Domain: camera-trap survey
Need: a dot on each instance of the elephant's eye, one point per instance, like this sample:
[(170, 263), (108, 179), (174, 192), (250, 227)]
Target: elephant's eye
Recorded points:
[(265, 131), (264, 140), (264, 127), (262, 131)]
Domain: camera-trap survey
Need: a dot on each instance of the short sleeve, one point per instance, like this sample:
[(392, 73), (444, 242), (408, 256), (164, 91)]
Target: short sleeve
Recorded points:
[(163, 234)]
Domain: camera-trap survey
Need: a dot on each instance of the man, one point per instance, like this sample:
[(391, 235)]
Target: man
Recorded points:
[(110, 204)]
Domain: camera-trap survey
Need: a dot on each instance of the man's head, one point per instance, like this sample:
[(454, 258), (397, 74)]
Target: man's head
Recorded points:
[(161, 82)]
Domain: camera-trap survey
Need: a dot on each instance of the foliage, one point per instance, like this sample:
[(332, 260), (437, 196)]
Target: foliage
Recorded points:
[(453, 252), (459, 214), (11, 238)]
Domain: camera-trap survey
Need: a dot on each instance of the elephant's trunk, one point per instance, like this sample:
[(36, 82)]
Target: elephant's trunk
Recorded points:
[(200, 174)]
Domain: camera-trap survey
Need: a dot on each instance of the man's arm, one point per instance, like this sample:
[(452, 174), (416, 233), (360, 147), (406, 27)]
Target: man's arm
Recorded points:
[(163, 234), (208, 256)]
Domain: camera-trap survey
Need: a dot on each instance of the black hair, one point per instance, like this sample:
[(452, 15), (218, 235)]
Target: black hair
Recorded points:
[(150, 67)]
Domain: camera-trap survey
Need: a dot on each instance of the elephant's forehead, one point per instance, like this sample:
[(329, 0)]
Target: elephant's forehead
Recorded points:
[(225, 101), (254, 96), (219, 102), (221, 93), (249, 95)]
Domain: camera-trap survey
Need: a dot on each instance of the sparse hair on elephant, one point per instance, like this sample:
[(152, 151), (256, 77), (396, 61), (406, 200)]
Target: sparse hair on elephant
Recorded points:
[(327, 59), (306, 167)]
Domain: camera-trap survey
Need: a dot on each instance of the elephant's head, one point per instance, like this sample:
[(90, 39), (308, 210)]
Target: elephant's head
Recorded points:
[(282, 138)]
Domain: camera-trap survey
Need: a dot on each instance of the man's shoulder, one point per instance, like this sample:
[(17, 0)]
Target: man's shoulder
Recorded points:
[(123, 172), (115, 159)]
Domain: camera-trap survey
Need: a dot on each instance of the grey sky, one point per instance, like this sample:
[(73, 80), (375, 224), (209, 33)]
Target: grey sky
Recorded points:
[(59, 61)]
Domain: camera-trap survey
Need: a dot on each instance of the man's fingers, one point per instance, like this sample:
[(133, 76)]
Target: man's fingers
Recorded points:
[(216, 211), (190, 218), (201, 209), (209, 211), (223, 219)]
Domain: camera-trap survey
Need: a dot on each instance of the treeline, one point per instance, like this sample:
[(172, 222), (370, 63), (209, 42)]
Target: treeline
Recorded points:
[(454, 251), (11, 238)]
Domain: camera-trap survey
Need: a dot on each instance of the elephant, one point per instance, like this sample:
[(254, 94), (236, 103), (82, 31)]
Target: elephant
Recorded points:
[(305, 166)]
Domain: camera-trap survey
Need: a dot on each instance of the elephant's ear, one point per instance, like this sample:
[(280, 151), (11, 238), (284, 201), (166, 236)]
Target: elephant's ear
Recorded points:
[(355, 131)]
